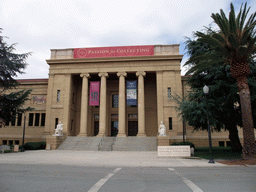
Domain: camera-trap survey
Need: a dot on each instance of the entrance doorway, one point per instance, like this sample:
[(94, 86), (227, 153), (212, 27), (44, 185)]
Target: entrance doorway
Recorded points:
[(96, 128), (114, 128), (132, 128)]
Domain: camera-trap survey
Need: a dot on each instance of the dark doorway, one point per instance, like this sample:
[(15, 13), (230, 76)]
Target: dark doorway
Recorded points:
[(132, 128), (114, 128), (96, 128)]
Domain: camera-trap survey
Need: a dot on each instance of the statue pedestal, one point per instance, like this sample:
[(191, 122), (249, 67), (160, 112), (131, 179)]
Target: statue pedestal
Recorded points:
[(53, 142), (163, 140)]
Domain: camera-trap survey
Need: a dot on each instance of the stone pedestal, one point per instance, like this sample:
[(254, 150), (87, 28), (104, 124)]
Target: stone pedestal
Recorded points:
[(53, 142), (163, 140)]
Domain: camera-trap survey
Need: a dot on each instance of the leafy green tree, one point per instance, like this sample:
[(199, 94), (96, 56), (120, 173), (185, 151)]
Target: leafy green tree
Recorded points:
[(234, 44), (10, 65)]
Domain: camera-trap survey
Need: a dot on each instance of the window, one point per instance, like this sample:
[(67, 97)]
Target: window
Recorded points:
[(115, 100), (221, 143), (43, 119), (169, 93), (228, 143), (31, 119), (170, 123), (56, 122), (4, 142), (17, 142), (7, 123), (37, 119), (13, 121), (58, 95), (10, 142), (19, 119)]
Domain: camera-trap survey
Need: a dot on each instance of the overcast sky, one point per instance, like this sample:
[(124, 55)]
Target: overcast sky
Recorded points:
[(40, 25)]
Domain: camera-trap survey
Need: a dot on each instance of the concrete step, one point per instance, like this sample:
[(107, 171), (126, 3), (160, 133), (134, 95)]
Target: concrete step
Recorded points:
[(109, 144), (80, 143), (135, 144)]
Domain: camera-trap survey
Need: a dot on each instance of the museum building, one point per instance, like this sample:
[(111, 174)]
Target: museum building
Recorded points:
[(123, 93)]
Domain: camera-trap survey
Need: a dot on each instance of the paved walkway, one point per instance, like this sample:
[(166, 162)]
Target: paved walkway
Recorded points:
[(101, 158)]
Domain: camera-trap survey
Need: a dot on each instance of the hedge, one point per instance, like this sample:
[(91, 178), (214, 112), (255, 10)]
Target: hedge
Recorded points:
[(186, 143), (34, 145)]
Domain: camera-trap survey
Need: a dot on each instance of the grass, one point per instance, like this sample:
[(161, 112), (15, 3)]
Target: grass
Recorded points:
[(218, 153)]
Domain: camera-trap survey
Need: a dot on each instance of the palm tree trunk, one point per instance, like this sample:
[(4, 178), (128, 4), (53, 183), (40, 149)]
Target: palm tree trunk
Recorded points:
[(249, 148), (234, 138)]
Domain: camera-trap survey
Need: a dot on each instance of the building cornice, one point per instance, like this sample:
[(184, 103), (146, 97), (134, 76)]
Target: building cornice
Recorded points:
[(114, 59)]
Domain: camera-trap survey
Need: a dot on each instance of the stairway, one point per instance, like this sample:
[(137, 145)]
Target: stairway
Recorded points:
[(109, 144), (81, 143), (135, 144)]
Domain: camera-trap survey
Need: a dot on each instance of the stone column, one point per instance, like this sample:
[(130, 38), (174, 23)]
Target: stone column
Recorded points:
[(103, 104), (141, 104), (49, 122), (67, 99), (160, 100), (121, 105), (84, 105)]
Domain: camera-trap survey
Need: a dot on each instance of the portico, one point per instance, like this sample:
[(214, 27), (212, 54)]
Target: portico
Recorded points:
[(154, 70)]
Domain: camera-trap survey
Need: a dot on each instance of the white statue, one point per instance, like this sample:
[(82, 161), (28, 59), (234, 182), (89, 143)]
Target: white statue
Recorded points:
[(58, 130), (162, 129)]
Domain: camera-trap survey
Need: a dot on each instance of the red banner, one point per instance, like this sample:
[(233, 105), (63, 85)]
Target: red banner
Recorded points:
[(94, 93), (126, 51)]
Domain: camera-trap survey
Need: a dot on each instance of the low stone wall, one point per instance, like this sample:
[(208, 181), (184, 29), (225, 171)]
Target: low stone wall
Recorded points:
[(53, 142)]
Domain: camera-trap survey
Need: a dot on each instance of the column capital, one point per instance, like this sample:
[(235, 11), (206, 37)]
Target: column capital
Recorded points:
[(103, 74), (138, 73), (124, 74), (85, 75)]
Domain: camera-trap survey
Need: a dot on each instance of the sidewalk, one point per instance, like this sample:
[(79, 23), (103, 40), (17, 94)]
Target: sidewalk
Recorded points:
[(101, 159)]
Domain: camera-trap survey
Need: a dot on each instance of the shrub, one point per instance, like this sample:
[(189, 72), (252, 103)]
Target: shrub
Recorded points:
[(186, 143), (34, 145)]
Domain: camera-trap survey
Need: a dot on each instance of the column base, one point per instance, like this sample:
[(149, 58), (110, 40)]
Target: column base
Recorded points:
[(83, 135), (121, 135), (141, 135), (101, 135)]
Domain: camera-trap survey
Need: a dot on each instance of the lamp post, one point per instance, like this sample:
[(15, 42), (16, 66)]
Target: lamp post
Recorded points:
[(23, 138), (206, 91)]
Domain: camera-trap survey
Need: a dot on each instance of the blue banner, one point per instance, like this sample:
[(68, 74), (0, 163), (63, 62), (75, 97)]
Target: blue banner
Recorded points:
[(131, 92)]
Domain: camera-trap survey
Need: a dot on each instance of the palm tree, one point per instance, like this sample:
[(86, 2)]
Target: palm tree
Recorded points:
[(235, 44)]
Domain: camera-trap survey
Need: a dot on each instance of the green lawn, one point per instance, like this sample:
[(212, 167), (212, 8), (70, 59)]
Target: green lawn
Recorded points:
[(218, 153)]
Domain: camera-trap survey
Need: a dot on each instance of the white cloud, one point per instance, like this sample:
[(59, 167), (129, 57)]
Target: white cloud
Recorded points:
[(38, 26)]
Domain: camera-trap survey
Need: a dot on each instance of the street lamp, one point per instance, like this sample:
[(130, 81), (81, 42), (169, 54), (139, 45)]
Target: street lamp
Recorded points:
[(206, 91), (23, 138)]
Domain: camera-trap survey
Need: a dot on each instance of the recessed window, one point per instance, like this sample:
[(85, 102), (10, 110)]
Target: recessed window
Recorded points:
[(13, 121), (31, 119), (169, 93), (115, 100), (56, 122), (19, 119), (37, 117), (43, 119), (221, 143), (228, 144), (170, 123), (58, 95), (10, 142)]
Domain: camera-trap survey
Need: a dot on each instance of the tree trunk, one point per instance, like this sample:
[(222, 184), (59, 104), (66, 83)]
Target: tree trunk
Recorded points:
[(249, 148), (234, 138)]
